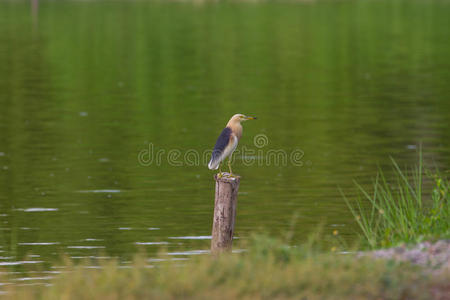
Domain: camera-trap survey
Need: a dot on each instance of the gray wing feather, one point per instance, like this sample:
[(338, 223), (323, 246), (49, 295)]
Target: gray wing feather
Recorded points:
[(221, 144)]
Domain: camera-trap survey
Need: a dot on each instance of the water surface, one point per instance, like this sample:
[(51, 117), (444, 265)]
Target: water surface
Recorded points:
[(87, 86)]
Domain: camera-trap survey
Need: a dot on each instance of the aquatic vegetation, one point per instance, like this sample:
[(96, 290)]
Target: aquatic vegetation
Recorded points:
[(400, 210)]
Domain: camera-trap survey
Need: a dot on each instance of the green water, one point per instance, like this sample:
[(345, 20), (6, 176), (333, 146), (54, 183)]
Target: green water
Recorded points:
[(87, 86)]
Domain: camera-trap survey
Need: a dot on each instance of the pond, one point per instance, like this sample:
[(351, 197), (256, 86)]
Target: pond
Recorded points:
[(107, 109)]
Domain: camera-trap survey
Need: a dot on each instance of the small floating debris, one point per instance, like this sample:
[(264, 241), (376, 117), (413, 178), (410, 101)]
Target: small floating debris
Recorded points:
[(83, 113), (200, 237), (103, 160), (411, 147), (151, 243), (2, 153), (153, 228)]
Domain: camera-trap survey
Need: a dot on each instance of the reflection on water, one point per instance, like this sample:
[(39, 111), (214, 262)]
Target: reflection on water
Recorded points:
[(348, 83)]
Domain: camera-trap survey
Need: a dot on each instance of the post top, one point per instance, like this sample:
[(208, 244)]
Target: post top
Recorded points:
[(227, 178)]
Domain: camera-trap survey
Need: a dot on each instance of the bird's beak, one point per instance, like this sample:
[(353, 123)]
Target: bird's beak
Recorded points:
[(250, 118)]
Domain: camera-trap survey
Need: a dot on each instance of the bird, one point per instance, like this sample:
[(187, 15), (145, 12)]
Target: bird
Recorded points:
[(227, 142)]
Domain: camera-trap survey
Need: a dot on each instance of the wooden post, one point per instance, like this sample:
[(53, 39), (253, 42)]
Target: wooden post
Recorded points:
[(224, 213)]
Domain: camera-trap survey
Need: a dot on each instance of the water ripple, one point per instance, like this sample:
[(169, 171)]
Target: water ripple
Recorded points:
[(191, 252), (37, 209), (199, 237), (38, 244), (151, 243), (99, 191), (85, 247), (23, 262)]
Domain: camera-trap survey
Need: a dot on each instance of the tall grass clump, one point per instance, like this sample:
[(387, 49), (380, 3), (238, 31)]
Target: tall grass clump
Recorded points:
[(399, 210)]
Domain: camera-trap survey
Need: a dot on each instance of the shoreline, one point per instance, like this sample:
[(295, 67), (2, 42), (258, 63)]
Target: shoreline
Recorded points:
[(432, 256)]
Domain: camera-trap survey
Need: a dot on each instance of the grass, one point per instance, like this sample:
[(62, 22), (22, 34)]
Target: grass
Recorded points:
[(399, 211), (269, 270)]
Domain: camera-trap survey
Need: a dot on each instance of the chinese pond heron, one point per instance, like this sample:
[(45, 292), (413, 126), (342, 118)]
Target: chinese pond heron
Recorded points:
[(227, 142)]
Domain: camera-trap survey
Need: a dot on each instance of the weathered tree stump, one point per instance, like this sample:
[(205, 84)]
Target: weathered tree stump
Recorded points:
[(224, 212)]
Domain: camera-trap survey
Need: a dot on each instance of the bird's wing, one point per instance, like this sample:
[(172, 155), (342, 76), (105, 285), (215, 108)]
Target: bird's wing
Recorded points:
[(220, 149)]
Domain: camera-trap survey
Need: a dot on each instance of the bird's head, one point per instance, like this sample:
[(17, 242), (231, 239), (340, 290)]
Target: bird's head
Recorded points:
[(241, 118)]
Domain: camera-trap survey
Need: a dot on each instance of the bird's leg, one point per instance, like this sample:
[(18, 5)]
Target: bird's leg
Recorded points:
[(220, 170), (229, 166)]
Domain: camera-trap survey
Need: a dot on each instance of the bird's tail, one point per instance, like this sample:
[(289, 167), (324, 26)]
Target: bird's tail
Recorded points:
[(214, 164)]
